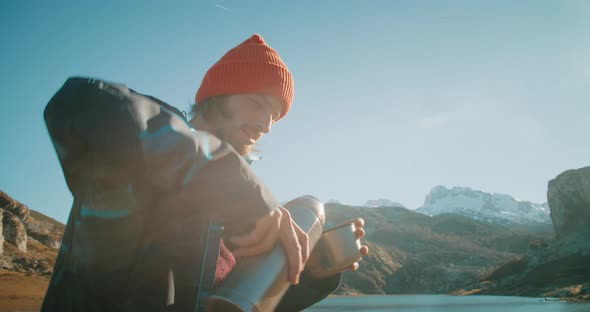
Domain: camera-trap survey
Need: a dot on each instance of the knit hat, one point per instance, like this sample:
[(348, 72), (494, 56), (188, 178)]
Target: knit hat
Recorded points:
[(251, 67)]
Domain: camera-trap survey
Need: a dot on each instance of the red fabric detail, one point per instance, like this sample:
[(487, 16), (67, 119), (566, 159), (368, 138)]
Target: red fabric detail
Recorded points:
[(225, 263)]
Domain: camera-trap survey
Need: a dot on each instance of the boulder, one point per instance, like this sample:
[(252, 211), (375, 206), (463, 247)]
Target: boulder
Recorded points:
[(569, 200), (1, 231), (18, 209), (14, 231), (50, 240)]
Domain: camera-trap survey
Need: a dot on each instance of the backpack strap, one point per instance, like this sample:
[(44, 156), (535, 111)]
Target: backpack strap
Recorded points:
[(206, 283)]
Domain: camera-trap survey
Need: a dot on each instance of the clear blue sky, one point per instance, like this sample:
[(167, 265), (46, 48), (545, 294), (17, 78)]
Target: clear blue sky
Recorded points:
[(391, 97)]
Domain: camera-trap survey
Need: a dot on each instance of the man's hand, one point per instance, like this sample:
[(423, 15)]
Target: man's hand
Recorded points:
[(360, 233), (319, 271), (277, 225)]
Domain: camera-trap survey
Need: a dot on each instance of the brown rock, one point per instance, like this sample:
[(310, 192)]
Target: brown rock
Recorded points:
[(14, 231), (17, 208), (569, 200), (1, 231), (48, 239)]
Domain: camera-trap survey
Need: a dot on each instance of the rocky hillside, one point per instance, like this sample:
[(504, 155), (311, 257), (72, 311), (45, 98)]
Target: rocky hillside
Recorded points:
[(560, 268), (28, 240), (415, 253)]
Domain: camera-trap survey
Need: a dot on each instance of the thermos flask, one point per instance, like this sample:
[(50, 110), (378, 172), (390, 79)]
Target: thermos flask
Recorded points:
[(258, 283)]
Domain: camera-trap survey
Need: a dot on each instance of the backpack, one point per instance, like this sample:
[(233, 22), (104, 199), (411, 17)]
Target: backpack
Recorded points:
[(94, 125), (96, 129)]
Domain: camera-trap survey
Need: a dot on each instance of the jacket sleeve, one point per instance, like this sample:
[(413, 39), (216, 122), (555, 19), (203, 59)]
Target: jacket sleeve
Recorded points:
[(204, 173)]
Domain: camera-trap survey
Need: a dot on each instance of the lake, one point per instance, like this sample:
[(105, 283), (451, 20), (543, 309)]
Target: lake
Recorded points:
[(432, 303)]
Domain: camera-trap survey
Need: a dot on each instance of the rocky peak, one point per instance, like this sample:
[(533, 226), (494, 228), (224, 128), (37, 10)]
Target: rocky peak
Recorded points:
[(484, 206), (569, 200)]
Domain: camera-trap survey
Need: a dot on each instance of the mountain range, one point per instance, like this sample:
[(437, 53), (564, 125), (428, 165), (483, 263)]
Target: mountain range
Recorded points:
[(474, 204)]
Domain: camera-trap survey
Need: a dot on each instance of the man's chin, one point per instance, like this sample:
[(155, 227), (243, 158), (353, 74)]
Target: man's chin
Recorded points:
[(243, 149)]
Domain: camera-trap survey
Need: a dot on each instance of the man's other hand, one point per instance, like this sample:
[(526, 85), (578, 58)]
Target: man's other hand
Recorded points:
[(277, 225)]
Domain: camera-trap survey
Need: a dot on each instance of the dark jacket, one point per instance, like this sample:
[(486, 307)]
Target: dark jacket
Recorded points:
[(144, 184)]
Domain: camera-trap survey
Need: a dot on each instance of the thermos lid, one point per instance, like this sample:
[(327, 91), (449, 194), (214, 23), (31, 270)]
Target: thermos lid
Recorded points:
[(311, 203)]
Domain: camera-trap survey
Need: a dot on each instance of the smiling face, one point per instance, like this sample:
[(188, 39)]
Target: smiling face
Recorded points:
[(243, 119)]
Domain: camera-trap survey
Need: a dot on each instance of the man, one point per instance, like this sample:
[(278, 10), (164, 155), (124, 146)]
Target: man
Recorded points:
[(241, 97), (146, 184)]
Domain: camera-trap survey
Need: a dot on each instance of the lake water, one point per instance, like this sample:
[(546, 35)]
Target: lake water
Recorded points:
[(442, 303)]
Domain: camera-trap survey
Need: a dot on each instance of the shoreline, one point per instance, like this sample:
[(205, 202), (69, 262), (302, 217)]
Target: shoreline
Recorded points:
[(577, 298)]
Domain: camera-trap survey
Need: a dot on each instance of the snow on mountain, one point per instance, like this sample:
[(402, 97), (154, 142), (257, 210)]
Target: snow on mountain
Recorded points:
[(374, 203), (483, 206), (333, 201), (382, 202)]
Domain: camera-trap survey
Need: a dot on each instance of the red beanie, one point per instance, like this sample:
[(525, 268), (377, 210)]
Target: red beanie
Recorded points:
[(251, 67)]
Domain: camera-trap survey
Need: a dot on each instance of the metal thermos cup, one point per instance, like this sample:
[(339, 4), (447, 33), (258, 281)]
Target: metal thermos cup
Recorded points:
[(337, 250), (257, 284)]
